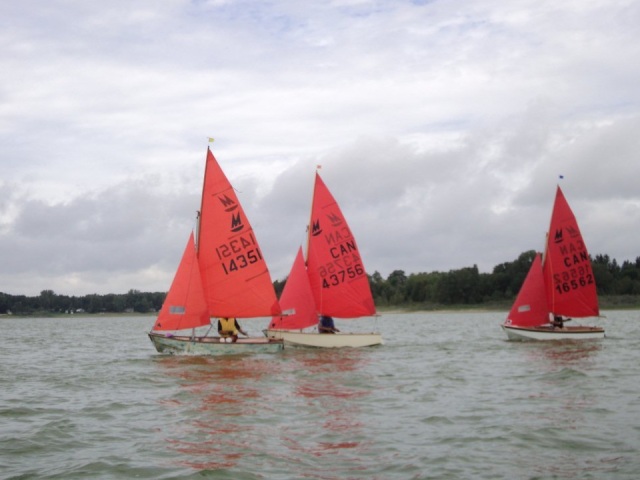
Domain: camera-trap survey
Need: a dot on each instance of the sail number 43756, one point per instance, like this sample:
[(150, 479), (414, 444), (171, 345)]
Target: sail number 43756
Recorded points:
[(335, 279)]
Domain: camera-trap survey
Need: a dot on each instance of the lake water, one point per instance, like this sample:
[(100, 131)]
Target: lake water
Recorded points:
[(447, 397)]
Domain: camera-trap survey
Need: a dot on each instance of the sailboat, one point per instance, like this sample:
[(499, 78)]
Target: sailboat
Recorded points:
[(333, 282), (222, 274), (558, 287)]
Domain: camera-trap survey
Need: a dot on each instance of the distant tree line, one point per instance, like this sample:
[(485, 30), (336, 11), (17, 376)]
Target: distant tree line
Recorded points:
[(617, 285), (50, 302), (467, 286)]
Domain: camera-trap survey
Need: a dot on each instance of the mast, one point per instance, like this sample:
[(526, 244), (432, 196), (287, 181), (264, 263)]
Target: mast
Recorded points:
[(199, 212), (310, 224), (197, 239)]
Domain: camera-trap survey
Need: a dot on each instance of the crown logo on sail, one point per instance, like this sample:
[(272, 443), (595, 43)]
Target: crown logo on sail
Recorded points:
[(228, 204), (315, 228), (334, 219), (558, 237), (236, 223), (573, 232)]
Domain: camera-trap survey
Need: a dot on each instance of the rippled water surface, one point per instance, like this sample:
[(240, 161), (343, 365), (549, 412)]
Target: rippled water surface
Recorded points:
[(446, 397)]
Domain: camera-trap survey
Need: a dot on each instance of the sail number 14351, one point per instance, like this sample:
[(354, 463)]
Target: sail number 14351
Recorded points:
[(237, 254)]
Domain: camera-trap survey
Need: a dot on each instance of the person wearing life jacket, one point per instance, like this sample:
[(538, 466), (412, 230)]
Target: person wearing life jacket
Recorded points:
[(228, 328)]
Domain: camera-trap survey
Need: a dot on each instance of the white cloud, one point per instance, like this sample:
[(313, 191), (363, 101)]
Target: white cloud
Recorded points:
[(441, 127)]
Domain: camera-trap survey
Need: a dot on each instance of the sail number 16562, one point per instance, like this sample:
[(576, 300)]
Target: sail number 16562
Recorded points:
[(573, 279), (566, 287)]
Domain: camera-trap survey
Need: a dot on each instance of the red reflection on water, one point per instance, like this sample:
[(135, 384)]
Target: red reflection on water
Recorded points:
[(215, 395), (327, 360), (331, 392), (217, 416), (338, 446), (217, 458), (313, 390), (571, 353), (558, 366), (551, 356)]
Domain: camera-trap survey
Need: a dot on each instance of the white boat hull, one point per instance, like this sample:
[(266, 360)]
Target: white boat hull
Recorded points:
[(178, 344), (549, 333), (326, 340)]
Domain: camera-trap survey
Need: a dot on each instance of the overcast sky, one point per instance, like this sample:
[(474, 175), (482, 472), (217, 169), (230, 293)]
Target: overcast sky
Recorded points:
[(441, 126)]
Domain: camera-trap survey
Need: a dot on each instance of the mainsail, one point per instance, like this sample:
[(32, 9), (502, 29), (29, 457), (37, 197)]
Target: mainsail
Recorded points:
[(235, 276), (185, 306), (337, 276), (568, 276)]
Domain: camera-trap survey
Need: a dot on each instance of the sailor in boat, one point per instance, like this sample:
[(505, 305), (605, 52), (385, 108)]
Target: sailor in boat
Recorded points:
[(326, 325), (228, 329), (558, 321)]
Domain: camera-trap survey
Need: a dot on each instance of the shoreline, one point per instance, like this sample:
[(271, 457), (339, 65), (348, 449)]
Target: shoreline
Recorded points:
[(604, 306)]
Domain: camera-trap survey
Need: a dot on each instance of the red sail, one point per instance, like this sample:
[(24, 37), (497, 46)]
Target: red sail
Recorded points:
[(530, 308), (571, 286), (235, 276), (296, 300), (336, 273), (184, 306)]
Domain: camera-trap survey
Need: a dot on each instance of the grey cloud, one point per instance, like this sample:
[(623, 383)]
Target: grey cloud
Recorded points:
[(441, 128)]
